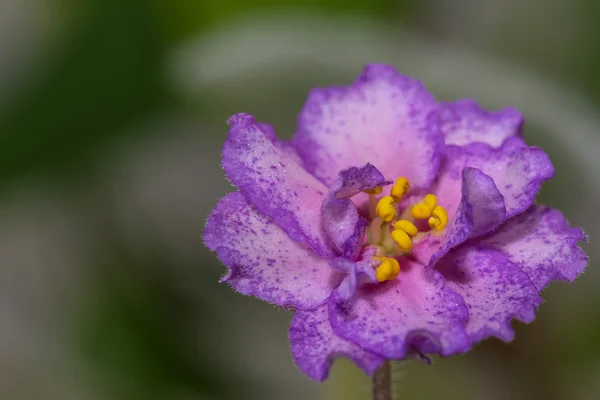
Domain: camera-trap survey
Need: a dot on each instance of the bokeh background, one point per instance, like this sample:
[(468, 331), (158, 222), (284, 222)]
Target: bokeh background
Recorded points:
[(112, 115)]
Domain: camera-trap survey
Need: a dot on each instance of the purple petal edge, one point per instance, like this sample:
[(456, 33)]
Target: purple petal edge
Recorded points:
[(341, 221), (414, 312), (263, 261), (465, 121), (315, 346), (384, 117), (275, 183), (481, 210), (494, 289), (357, 273), (518, 170), (541, 242)]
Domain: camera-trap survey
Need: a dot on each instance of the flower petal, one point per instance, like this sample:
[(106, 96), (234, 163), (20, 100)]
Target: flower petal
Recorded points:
[(315, 345), (263, 261), (464, 122), (357, 272), (274, 183), (495, 290), (344, 227), (384, 118), (505, 185), (481, 210), (287, 147), (415, 310), (517, 170), (542, 244)]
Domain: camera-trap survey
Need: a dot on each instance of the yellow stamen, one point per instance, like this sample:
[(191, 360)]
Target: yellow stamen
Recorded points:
[(407, 227), (430, 200), (403, 240), (421, 211), (388, 269), (376, 190), (439, 218), (385, 208), (400, 188)]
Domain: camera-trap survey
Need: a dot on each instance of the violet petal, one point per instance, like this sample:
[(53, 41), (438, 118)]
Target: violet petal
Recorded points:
[(494, 289), (263, 261), (275, 183), (344, 227), (357, 272), (517, 170), (315, 345), (385, 118), (464, 122), (542, 244), (481, 210), (416, 310)]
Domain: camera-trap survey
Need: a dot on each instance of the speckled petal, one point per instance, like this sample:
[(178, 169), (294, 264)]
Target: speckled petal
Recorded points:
[(481, 210), (464, 122), (357, 273), (286, 146), (494, 289), (274, 183), (315, 345), (263, 261), (384, 118), (542, 244), (344, 227), (414, 311), (517, 170)]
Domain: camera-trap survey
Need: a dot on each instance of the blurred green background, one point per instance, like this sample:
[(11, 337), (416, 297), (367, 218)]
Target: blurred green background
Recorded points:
[(112, 115)]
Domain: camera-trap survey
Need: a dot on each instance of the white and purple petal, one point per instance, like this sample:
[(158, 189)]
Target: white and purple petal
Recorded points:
[(541, 242), (517, 170), (384, 118), (263, 261), (480, 210), (481, 187), (357, 272), (285, 146), (274, 182), (341, 220), (464, 122), (415, 311), (494, 289), (315, 345)]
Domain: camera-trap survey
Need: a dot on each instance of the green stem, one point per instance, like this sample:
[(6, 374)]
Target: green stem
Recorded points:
[(382, 382)]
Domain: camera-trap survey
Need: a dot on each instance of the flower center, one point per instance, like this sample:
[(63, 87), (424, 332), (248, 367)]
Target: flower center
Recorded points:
[(393, 227)]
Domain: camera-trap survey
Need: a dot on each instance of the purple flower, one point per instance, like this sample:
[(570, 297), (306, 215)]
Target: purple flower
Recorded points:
[(393, 225)]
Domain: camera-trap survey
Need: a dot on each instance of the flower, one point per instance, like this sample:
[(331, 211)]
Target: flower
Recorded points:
[(393, 225)]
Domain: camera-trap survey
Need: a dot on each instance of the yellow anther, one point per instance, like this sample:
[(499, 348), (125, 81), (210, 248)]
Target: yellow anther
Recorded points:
[(403, 240), (421, 211), (430, 200), (439, 218), (407, 227), (376, 190), (388, 269), (385, 208), (400, 188)]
